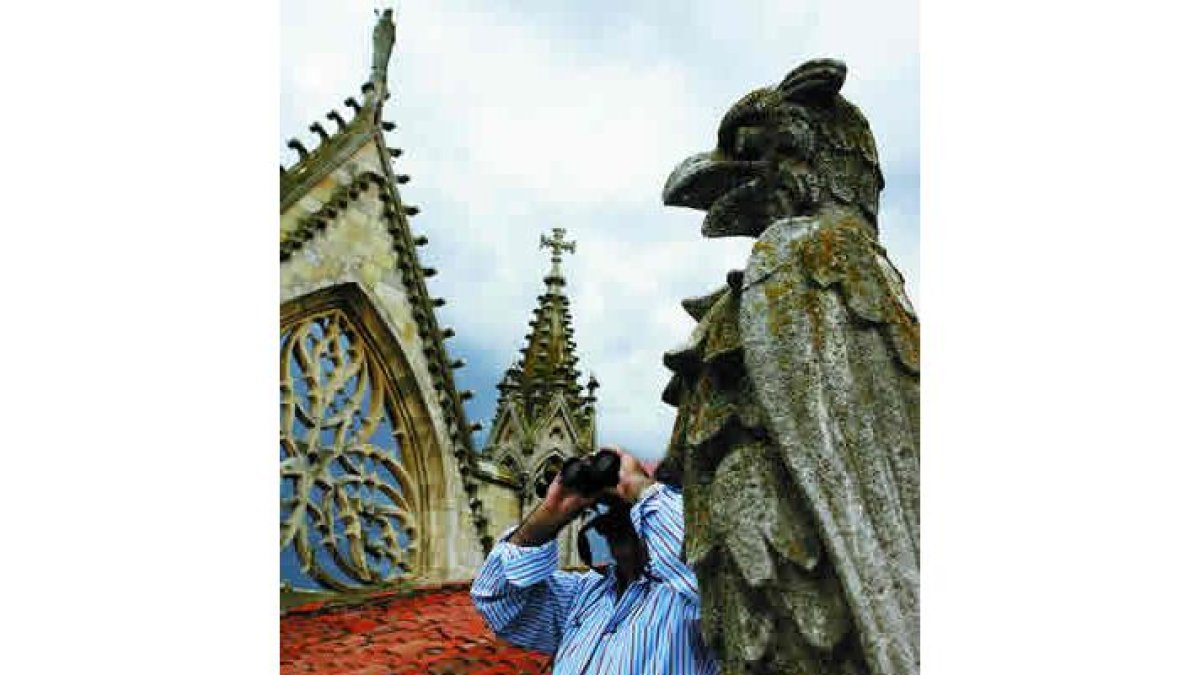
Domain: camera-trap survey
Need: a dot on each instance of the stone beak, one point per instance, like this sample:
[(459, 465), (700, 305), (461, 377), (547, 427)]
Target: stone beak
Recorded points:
[(700, 180)]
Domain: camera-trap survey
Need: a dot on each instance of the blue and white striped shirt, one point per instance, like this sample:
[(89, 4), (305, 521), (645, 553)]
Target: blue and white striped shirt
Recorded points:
[(652, 629)]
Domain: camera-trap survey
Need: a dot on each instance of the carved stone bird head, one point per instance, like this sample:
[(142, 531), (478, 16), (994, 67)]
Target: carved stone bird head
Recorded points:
[(783, 151)]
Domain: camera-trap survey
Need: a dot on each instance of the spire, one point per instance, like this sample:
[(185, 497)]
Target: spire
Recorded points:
[(549, 358), (547, 365)]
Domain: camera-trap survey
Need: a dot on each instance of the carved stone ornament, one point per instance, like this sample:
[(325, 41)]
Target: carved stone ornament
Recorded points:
[(798, 393), (346, 496)]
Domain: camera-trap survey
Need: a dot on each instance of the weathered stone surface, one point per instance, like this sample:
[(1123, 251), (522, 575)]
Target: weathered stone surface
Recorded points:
[(798, 396)]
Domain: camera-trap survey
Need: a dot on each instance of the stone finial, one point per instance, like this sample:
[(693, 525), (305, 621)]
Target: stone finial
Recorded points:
[(557, 244), (383, 39)]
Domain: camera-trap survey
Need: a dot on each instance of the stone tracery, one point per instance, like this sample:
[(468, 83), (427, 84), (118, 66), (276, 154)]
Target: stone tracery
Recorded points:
[(347, 498)]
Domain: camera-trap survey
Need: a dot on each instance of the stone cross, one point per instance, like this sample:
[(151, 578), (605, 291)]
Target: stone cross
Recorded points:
[(557, 244)]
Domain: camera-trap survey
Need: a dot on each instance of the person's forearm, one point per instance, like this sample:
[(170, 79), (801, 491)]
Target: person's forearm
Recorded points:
[(539, 527)]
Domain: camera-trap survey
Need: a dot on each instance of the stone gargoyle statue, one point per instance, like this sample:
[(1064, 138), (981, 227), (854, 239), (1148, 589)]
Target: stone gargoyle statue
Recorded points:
[(797, 433)]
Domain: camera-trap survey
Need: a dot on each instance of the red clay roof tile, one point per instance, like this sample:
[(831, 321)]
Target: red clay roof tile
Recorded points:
[(434, 631)]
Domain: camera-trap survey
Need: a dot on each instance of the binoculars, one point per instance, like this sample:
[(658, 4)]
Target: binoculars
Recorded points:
[(591, 474)]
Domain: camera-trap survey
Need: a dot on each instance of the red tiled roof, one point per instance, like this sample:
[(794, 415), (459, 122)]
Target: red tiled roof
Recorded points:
[(434, 631)]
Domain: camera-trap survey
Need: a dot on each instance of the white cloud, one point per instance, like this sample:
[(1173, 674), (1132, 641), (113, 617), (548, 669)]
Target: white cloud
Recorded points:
[(529, 114), (513, 123)]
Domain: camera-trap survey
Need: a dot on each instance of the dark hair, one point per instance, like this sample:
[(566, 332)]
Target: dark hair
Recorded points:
[(615, 521), (668, 473)]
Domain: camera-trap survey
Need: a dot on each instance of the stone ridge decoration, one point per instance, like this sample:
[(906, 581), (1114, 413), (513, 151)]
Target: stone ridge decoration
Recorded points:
[(366, 125), (798, 393), (347, 514)]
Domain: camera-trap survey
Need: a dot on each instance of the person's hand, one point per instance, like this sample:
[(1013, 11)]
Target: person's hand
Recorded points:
[(544, 523), (564, 503), (632, 478)]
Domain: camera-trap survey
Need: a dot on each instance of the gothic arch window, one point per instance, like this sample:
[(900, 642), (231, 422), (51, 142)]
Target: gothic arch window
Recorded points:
[(546, 473), (509, 464), (351, 495)]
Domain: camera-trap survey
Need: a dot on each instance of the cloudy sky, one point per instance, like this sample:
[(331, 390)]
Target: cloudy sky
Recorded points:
[(518, 117)]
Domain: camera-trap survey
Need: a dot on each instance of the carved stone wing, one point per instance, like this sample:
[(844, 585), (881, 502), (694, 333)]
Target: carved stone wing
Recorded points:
[(772, 602), (831, 349)]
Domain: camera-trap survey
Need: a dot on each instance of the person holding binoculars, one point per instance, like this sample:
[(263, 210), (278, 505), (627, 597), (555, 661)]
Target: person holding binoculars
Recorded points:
[(640, 614)]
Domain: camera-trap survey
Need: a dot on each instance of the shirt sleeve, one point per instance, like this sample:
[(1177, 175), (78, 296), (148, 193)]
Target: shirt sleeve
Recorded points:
[(658, 519), (522, 595)]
